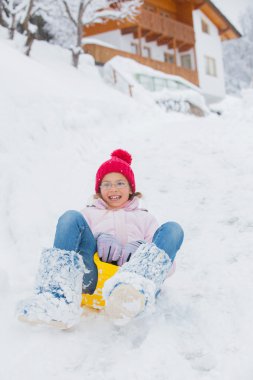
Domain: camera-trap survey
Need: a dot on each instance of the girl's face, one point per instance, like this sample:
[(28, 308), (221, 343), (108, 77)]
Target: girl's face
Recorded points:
[(115, 190)]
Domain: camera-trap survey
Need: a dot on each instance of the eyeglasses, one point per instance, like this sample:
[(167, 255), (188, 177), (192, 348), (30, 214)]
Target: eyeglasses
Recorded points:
[(118, 185)]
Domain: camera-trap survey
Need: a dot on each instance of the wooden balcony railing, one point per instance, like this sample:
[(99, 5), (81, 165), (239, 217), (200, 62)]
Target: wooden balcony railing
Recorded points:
[(103, 54), (165, 26)]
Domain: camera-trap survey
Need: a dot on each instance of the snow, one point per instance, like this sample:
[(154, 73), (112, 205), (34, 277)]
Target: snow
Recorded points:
[(61, 273), (96, 41), (57, 125), (121, 73)]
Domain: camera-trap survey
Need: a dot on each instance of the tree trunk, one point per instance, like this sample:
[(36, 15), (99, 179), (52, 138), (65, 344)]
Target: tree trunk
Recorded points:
[(75, 58), (12, 27), (1, 17), (29, 42), (77, 51), (27, 16)]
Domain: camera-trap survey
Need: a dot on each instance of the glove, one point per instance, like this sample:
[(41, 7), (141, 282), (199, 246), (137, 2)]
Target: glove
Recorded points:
[(128, 251), (109, 249)]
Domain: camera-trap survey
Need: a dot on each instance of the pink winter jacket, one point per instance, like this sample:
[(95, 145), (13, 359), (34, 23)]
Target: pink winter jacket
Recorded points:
[(129, 223)]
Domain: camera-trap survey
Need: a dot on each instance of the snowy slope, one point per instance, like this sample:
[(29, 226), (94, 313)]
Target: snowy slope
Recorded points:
[(57, 125)]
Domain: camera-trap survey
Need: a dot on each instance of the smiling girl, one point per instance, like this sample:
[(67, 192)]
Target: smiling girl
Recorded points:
[(123, 234)]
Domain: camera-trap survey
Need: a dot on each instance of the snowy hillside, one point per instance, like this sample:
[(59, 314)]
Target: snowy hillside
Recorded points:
[(57, 125)]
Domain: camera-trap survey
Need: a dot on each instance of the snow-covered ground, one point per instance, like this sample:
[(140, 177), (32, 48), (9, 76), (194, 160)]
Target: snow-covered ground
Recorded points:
[(57, 125)]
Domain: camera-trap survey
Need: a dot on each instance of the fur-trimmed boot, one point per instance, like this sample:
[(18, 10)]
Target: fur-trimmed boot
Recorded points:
[(134, 287), (58, 290)]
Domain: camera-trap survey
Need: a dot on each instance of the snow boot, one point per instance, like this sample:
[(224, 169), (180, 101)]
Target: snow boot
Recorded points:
[(58, 290), (134, 287)]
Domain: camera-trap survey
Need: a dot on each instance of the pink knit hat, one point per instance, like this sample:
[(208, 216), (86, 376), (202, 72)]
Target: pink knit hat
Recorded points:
[(119, 163)]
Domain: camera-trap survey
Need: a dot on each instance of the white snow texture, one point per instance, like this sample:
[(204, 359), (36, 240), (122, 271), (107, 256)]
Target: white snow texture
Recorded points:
[(58, 289)]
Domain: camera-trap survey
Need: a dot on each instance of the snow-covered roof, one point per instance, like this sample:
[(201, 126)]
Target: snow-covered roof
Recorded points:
[(96, 41), (129, 68), (226, 28)]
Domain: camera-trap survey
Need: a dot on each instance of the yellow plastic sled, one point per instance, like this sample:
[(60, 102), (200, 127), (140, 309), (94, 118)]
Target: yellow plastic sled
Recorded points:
[(105, 271)]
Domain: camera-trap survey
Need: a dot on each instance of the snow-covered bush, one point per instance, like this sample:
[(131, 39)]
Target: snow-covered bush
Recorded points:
[(68, 24), (27, 17), (63, 19), (11, 13), (186, 101)]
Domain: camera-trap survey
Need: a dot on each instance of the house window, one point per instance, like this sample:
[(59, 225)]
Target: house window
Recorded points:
[(210, 65), (146, 52), (146, 81), (186, 61), (160, 84), (134, 47), (172, 85), (169, 58), (205, 27)]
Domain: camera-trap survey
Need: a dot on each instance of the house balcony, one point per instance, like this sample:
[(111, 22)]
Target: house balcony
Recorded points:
[(103, 54), (150, 26), (165, 30)]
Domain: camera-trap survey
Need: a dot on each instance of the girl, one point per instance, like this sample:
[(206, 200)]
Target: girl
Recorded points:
[(123, 234)]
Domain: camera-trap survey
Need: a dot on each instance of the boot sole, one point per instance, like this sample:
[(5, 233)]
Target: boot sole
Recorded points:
[(56, 324), (124, 303)]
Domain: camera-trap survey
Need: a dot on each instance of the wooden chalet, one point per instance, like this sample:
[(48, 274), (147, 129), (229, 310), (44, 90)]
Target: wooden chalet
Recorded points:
[(165, 22)]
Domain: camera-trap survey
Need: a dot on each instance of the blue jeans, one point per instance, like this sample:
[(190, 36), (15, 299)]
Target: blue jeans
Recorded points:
[(169, 237), (74, 234)]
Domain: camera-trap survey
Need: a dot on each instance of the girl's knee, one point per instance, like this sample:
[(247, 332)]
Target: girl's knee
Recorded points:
[(70, 217), (174, 229)]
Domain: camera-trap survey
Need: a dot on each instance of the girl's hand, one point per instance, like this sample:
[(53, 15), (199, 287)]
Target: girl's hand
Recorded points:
[(109, 249), (128, 251)]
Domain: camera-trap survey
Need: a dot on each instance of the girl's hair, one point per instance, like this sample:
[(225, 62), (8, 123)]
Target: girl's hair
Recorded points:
[(131, 196)]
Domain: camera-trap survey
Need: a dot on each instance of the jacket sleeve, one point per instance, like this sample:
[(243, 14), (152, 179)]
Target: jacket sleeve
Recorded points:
[(151, 227)]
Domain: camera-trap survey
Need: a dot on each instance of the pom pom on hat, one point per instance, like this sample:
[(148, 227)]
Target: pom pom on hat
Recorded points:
[(123, 155), (119, 163)]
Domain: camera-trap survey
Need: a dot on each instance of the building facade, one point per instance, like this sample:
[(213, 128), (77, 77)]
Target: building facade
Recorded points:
[(180, 37)]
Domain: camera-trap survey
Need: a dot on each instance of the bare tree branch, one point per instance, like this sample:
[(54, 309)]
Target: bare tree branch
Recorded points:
[(69, 13), (28, 14)]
